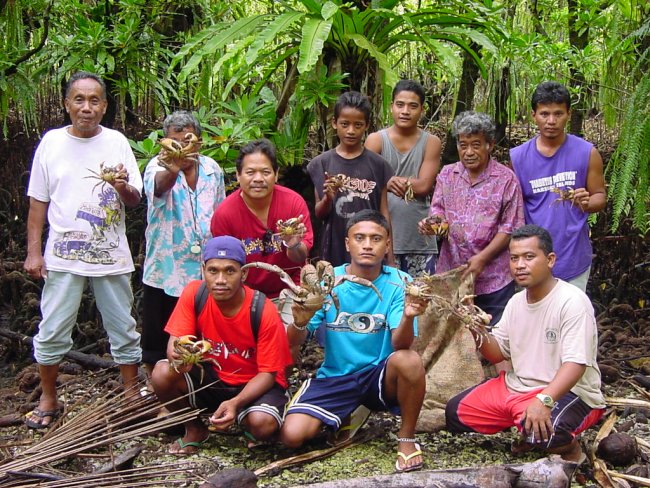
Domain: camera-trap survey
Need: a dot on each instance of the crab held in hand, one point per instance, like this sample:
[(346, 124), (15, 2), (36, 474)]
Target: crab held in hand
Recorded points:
[(337, 182), (409, 194), (437, 226), (291, 227), (317, 282), (171, 150), (192, 352), (566, 194), (106, 174)]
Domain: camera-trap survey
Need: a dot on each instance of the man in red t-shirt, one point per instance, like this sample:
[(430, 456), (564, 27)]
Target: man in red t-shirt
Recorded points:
[(251, 213), (251, 387)]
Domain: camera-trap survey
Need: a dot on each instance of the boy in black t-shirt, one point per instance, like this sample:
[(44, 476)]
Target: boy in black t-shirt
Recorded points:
[(348, 178)]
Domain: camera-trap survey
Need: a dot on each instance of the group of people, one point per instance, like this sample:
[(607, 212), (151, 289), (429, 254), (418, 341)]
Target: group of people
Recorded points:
[(374, 199)]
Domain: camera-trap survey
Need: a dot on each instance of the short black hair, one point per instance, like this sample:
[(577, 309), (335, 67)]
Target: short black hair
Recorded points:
[(355, 100), (179, 120), (263, 146), (367, 215), (530, 230), (410, 86), (84, 75), (550, 92)]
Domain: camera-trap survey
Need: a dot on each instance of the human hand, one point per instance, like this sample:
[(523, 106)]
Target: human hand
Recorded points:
[(414, 306), (581, 198), (224, 416), (475, 266), (537, 422), (397, 185), (301, 314), (121, 179), (333, 184), (291, 232), (34, 265)]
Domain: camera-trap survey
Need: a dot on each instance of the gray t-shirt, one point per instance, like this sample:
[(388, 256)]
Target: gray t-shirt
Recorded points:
[(405, 216)]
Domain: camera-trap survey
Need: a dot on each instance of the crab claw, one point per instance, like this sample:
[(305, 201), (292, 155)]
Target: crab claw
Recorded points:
[(204, 346), (187, 339)]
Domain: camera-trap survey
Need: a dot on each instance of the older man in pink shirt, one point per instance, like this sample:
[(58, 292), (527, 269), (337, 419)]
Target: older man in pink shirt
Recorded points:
[(482, 203)]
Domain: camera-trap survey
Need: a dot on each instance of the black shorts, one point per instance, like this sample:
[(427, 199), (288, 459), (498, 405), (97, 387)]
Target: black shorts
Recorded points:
[(272, 402)]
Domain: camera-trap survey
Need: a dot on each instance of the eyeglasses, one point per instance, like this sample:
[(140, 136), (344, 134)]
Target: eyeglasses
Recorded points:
[(267, 242)]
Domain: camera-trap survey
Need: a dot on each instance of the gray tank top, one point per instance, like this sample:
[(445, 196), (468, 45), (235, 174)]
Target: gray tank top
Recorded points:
[(405, 216)]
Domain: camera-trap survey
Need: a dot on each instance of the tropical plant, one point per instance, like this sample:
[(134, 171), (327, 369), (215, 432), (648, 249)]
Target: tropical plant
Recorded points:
[(629, 169)]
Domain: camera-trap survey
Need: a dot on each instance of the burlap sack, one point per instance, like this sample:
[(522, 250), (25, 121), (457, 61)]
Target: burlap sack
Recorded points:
[(448, 351)]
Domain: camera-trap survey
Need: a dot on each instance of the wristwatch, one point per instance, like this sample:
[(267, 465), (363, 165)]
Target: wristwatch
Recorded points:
[(547, 400)]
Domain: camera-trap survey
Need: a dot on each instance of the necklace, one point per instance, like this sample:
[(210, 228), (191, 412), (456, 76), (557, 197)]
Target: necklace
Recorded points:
[(195, 247)]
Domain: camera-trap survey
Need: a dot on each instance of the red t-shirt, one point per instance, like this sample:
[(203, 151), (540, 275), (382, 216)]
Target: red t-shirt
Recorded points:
[(233, 344), (233, 218)]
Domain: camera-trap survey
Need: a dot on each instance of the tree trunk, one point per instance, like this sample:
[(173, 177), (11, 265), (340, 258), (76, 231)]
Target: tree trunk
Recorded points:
[(578, 42), (501, 95), (548, 472), (464, 101)]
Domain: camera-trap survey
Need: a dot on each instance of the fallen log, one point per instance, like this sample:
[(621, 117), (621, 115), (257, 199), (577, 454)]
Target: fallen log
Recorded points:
[(11, 419), (88, 361), (551, 472)]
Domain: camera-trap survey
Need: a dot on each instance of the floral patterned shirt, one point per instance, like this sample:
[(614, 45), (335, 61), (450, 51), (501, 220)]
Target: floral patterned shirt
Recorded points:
[(178, 224), (476, 212)]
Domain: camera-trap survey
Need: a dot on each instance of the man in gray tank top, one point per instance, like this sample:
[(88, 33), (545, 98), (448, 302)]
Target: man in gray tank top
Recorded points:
[(414, 155)]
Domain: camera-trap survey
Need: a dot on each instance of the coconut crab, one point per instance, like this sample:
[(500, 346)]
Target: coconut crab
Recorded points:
[(290, 227), (172, 149), (106, 174), (337, 182), (192, 352), (317, 282), (436, 225), (471, 316), (409, 194), (566, 194)]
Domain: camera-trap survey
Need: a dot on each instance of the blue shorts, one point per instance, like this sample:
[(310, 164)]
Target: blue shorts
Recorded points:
[(334, 398)]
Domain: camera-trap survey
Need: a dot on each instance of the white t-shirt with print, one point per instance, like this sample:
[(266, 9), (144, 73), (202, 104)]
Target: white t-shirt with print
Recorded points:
[(85, 215), (540, 337)]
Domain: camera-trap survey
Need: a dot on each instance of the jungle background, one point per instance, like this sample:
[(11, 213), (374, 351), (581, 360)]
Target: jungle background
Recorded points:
[(274, 68)]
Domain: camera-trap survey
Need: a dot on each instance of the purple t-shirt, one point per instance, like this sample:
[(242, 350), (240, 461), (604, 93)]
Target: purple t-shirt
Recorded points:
[(567, 223), (476, 212)]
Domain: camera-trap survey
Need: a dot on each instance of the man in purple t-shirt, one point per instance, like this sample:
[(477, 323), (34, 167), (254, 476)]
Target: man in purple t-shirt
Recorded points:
[(561, 178), (481, 201)]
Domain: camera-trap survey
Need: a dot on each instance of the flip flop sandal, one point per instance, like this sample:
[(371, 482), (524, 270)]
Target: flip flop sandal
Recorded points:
[(182, 444), (406, 458), (358, 419), (41, 414)]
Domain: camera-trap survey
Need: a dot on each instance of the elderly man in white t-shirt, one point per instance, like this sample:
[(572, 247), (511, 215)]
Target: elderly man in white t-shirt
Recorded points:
[(549, 332), (82, 177)]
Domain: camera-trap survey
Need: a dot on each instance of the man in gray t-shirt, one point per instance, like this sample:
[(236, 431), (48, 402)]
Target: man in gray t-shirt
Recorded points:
[(414, 155)]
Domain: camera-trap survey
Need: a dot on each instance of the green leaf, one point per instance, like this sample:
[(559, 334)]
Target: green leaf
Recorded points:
[(280, 24), (314, 35), (329, 10), (241, 28), (391, 76)]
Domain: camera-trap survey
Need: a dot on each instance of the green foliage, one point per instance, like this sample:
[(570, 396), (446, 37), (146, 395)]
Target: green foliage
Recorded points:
[(629, 168)]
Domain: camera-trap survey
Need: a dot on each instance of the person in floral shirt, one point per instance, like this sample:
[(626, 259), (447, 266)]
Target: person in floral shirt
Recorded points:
[(481, 201), (182, 195)]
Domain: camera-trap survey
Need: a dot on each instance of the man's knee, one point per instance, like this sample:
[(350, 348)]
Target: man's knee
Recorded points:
[(408, 364), (297, 429), (261, 425), (163, 377)]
